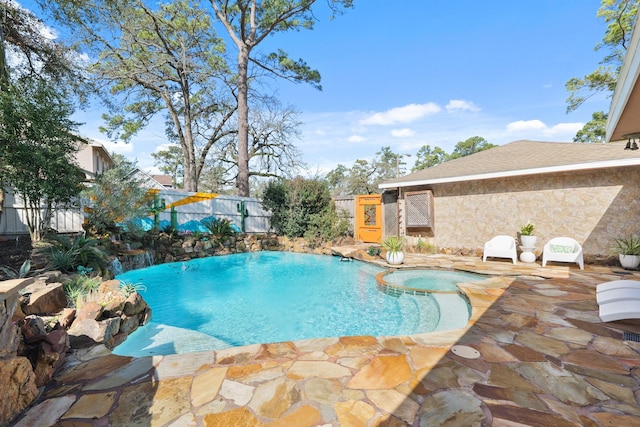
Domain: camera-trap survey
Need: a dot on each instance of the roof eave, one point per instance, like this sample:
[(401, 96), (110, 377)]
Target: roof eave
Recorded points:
[(618, 122), (523, 172)]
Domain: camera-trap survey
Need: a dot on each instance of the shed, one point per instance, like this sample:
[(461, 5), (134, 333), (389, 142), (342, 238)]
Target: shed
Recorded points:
[(586, 191)]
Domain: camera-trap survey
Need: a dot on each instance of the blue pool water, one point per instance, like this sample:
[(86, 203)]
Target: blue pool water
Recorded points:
[(440, 280), (262, 297)]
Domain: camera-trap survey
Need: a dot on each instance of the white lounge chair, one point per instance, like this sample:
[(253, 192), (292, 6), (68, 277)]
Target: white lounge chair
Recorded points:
[(563, 249), (618, 300), (501, 247), (620, 310)]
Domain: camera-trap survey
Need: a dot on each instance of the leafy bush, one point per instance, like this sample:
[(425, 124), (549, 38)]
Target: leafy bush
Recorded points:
[(117, 196), (67, 255), (220, 229), (374, 250), (424, 247), (303, 207)]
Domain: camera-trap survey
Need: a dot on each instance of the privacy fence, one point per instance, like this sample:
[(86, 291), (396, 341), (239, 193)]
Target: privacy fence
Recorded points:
[(184, 208)]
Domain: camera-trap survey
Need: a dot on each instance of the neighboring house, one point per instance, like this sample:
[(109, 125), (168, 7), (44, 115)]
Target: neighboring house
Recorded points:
[(590, 192), (157, 182), (93, 159), (165, 180)]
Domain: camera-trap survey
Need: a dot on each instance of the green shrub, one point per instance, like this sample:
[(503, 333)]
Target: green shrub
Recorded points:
[(117, 196), (374, 250), (67, 255), (303, 207), (220, 229)]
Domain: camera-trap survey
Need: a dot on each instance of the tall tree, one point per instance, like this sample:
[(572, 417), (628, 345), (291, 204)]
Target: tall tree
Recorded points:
[(37, 149), (271, 152), (427, 157), (157, 60), (594, 130), (171, 162), (470, 146), (619, 16), (26, 48), (248, 23)]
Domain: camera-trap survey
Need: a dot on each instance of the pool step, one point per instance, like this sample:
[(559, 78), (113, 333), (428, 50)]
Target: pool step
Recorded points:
[(454, 311)]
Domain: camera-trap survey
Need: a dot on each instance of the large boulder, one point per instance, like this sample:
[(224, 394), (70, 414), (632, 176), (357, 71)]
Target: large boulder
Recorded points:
[(48, 299), (87, 333), (90, 310), (18, 387), (134, 304)]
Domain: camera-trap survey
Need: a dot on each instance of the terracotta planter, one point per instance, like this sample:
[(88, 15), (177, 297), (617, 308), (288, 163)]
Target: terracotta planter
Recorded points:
[(395, 258), (629, 261)]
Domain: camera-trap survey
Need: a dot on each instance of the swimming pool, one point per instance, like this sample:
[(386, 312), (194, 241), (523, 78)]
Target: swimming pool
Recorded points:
[(262, 297)]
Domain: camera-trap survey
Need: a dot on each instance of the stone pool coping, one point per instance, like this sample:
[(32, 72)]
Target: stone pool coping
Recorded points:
[(546, 359)]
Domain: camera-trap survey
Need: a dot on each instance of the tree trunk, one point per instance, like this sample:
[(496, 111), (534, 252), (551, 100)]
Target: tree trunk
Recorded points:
[(243, 123), (190, 172), (1, 200)]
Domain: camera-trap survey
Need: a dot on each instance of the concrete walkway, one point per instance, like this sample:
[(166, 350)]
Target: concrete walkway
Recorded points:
[(535, 353)]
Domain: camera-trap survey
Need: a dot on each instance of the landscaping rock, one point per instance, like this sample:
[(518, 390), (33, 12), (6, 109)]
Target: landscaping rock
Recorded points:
[(130, 324), (134, 304), (87, 333), (18, 387), (90, 310), (67, 316), (47, 300), (50, 356), (9, 332), (114, 306), (109, 286)]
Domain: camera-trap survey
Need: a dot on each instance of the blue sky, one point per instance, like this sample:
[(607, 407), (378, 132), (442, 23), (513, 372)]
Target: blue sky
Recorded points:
[(428, 72)]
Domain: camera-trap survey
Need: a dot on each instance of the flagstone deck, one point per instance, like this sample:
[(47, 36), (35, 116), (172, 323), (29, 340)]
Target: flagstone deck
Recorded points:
[(545, 359)]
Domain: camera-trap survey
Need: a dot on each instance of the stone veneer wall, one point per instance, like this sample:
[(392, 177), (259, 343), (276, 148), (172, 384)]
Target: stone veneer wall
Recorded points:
[(593, 207)]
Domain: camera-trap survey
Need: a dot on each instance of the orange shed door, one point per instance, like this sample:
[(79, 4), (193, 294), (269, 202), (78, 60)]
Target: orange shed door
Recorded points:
[(369, 218)]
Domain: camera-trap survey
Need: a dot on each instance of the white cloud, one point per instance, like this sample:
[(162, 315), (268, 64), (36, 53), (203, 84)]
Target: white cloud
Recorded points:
[(113, 147), (539, 128), (525, 125), (461, 105), (406, 114), (163, 147), (356, 138), (562, 128), (402, 133)]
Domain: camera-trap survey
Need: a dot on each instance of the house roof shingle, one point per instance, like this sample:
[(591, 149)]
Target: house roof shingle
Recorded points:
[(522, 158)]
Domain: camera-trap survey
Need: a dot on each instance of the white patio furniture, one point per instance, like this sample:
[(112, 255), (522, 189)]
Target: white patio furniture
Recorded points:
[(563, 249), (619, 300), (501, 247)]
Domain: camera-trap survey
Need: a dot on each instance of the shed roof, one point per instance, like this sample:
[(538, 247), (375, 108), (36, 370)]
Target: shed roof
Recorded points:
[(522, 158)]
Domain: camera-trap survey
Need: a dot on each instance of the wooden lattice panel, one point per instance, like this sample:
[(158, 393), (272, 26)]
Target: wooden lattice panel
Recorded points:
[(419, 209), (391, 223)]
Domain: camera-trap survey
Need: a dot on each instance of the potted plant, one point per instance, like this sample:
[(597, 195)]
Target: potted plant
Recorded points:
[(628, 250), (527, 239), (394, 245)]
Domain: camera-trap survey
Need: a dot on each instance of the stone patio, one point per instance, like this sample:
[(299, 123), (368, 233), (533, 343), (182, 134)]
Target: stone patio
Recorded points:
[(545, 359)]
